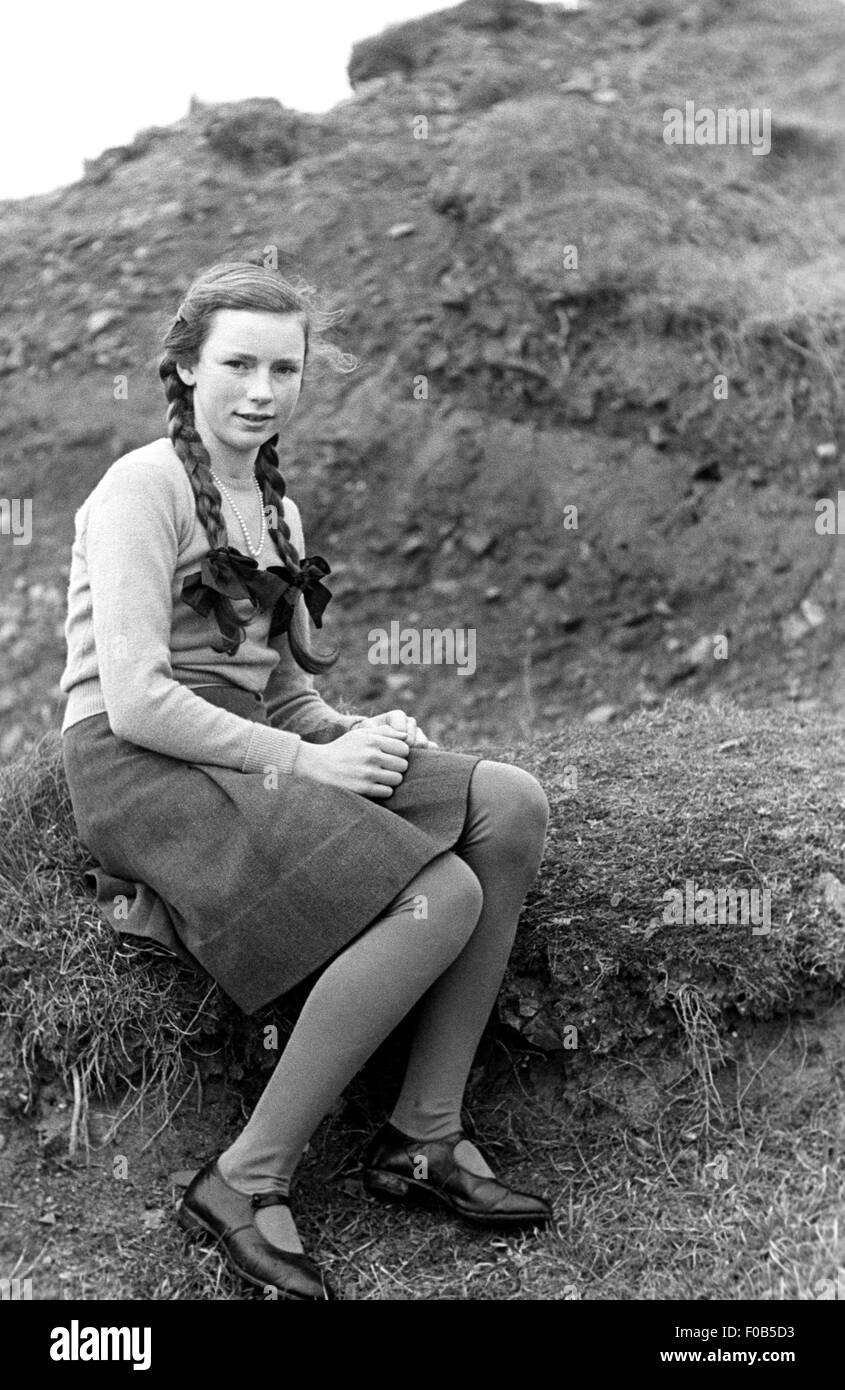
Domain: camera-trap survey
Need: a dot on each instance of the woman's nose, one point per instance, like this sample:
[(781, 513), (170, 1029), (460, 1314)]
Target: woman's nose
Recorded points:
[(260, 389)]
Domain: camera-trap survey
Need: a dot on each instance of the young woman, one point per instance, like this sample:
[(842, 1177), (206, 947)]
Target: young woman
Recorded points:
[(252, 828)]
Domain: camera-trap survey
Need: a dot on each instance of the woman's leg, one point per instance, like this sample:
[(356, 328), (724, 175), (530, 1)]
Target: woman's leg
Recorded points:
[(502, 842), (357, 1001)]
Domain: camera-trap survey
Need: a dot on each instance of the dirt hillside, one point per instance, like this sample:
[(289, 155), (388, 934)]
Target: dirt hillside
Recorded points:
[(498, 213)]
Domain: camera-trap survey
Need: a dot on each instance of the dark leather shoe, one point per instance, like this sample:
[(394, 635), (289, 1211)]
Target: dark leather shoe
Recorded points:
[(392, 1169), (212, 1206)]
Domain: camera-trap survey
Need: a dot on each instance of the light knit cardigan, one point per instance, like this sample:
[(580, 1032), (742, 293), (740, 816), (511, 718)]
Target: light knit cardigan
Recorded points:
[(135, 648)]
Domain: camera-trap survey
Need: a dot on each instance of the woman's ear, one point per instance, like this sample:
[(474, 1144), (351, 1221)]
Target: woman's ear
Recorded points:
[(186, 375)]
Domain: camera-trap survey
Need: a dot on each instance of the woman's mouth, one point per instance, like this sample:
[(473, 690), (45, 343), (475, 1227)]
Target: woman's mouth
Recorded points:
[(253, 419)]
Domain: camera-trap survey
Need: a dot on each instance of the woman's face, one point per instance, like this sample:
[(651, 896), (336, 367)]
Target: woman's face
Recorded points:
[(247, 380)]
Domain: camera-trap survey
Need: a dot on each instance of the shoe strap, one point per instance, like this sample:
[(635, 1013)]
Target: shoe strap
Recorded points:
[(397, 1135), (268, 1199)]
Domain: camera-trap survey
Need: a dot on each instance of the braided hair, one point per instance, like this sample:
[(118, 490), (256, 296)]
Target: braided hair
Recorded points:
[(241, 285)]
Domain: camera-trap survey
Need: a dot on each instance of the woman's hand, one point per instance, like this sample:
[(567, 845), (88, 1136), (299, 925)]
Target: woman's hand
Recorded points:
[(370, 760), (405, 723)]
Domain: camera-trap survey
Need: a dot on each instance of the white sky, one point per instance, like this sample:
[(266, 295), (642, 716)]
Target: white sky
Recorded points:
[(80, 75)]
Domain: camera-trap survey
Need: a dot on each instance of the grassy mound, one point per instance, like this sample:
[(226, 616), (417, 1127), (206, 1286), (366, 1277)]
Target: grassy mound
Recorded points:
[(717, 796)]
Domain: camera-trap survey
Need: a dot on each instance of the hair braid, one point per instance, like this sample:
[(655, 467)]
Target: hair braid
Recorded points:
[(273, 489), (197, 464)]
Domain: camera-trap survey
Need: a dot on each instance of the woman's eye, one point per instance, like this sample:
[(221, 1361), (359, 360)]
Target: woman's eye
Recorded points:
[(235, 364)]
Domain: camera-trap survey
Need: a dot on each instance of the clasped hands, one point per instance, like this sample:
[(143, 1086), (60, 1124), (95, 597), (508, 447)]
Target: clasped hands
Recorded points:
[(404, 724), (371, 758)]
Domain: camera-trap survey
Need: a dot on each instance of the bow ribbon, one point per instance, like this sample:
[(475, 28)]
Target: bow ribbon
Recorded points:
[(227, 571)]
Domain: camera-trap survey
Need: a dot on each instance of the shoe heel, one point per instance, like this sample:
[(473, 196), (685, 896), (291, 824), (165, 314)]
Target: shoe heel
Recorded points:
[(386, 1185), (188, 1221)]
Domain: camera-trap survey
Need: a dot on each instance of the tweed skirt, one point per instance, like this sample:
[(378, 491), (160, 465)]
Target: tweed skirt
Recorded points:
[(258, 887)]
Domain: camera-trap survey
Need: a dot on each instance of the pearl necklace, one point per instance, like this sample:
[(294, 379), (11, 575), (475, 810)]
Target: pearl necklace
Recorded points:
[(252, 550)]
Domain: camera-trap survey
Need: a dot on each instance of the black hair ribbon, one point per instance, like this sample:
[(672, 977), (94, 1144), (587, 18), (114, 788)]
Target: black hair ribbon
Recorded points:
[(227, 571)]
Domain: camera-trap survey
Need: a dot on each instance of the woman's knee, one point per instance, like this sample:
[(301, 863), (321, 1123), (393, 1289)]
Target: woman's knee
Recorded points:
[(516, 801), (452, 893)]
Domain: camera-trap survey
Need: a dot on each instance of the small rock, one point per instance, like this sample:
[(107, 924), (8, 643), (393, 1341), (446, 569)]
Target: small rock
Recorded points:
[(580, 82), (13, 360), (826, 451), (479, 542), (812, 612), (492, 594), (555, 573), (100, 320), (397, 680), (601, 714), (11, 741), (834, 893), (605, 97), (412, 545), (700, 651), (400, 229), (793, 628), (455, 299)]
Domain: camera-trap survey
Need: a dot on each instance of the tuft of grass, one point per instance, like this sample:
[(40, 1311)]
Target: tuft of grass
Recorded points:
[(257, 135), (77, 1001)]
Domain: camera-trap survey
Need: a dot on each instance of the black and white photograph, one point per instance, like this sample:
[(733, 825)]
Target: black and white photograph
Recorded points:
[(422, 695)]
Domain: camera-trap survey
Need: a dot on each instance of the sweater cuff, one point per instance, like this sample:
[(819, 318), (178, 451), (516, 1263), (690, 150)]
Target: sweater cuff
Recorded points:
[(276, 748)]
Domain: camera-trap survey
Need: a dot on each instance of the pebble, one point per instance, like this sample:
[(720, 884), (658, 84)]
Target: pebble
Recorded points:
[(601, 714), (100, 320)]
